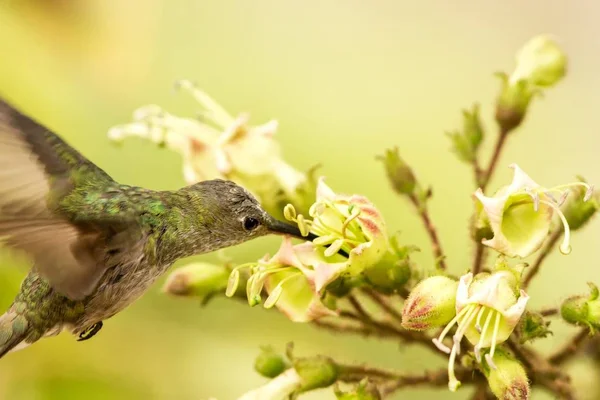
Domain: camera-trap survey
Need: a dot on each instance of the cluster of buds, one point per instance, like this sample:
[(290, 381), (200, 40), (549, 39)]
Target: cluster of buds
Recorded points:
[(221, 146), (540, 64), (485, 309), (519, 216), (351, 239)]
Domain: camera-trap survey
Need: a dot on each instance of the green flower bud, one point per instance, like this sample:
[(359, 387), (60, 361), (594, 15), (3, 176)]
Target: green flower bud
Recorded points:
[(582, 310), (197, 280), (270, 363), (508, 380), (541, 62), (577, 211), (431, 304), (315, 372), (365, 390), (390, 274), (533, 326), (399, 173), (511, 105), (465, 143)]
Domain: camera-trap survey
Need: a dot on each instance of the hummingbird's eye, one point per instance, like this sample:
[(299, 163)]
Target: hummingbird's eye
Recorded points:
[(250, 223)]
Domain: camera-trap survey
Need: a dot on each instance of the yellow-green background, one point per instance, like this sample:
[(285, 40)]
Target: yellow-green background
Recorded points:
[(345, 79)]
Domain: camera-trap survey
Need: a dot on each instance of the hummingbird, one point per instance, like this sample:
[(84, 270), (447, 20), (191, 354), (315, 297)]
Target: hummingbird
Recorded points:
[(97, 245)]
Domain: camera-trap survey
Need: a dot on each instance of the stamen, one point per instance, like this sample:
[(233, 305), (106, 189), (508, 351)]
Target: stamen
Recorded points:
[(278, 291), (479, 344), (323, 240), (478, 320), (535, 196), (232, 283), (563, 198), (588, 193), (352, 217), (490, 356), (334, 248), (565, 247), (438, 342), (453, 383), (289, 212), (302, 225), (463, 326)]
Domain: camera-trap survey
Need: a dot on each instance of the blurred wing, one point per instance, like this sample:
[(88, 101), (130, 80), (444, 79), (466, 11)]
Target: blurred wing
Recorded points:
[(35, 165)]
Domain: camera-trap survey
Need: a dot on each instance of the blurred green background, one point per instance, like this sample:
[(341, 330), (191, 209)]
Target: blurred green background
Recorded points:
[(346, 79)]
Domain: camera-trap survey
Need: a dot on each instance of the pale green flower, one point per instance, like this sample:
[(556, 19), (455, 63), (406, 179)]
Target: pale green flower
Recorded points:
[(218, 146), (488, 308), (520, 214), (344, 223), (289, 283)]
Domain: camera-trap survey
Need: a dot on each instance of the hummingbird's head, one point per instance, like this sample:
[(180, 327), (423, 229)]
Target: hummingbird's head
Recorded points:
[(232, 213)]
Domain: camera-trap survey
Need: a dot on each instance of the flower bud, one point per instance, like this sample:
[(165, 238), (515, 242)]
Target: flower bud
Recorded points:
[(389, 274), (399, 173), (197, 280), (269, 363), (316, 372), (577, 211), (582, 310), (508, 381), (511, 105), (465, 143), (432, 303), (532, 326), (365, 390), (541, 62)]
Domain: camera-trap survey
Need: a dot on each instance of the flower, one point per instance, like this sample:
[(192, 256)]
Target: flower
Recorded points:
[(220, 146), (351, 238), (431, 304), (488, 308), (520, 214), (279, 388), (541, 62), (508, 381), (344, 223), (291, 286)]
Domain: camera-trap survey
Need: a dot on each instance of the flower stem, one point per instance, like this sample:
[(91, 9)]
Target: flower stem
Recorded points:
[(570, 349), (436, 378), (548, 247), (384, 303), (431, 230)]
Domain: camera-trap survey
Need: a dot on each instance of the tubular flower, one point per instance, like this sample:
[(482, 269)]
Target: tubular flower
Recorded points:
[(218, 146), (290, 285), (279, 388), (520, 214), (488, 308), (346, 224)]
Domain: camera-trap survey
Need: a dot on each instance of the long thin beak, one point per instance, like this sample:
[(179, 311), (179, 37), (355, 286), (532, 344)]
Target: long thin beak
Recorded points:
[(284, 228)]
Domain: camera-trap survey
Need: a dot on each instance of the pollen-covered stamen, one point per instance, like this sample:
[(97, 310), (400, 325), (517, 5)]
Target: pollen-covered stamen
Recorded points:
[(256, 283), (565, 246), (490, 356), (484, 331)]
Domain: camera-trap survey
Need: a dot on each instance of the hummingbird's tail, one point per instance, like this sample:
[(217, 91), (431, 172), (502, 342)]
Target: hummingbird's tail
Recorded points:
[(14, 329)]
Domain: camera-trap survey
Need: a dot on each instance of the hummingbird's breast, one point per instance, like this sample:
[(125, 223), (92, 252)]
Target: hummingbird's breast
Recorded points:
[(120, 286)]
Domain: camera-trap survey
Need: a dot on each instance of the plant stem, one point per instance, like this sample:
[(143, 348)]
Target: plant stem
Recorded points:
[(431, 230), (549, 312), (570, 349), (384, 303), (483, 177), (438, 378), (548, 247)]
